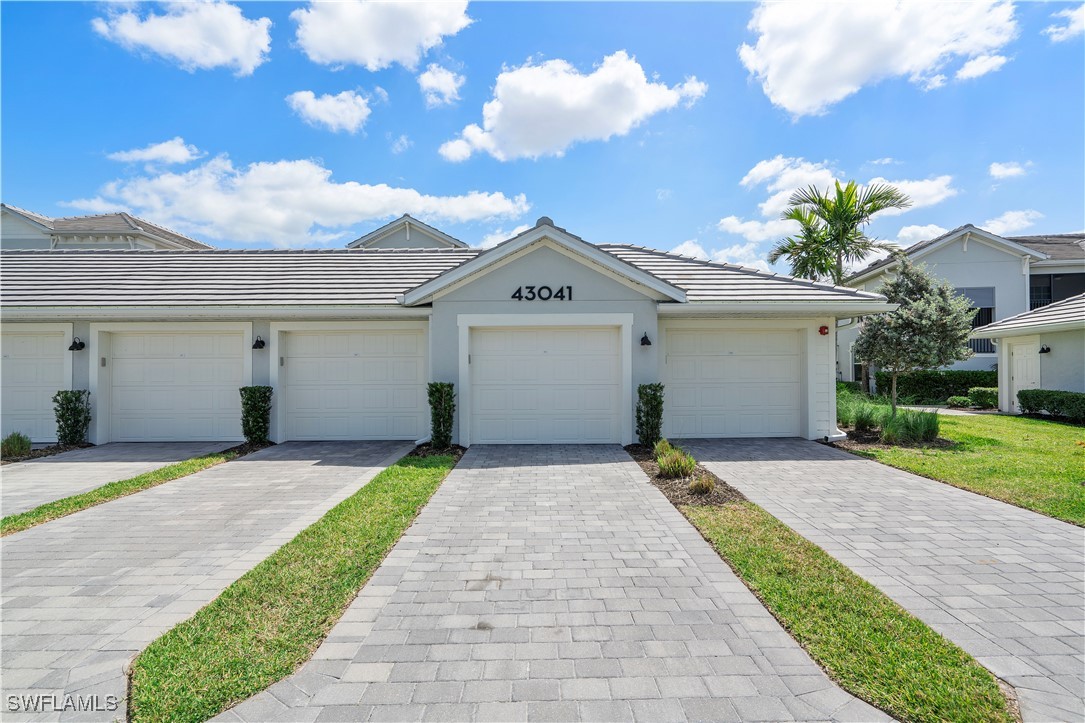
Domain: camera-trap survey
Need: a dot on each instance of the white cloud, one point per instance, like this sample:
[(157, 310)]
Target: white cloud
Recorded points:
[(691, 248), (1074, 25), (664, 194), (923, 193), (888, 160), (1011, 222), (498, 235), (754, 230), (286, 203), (979, 66), (376, 34), (909, 235), (440, 86), (346, 111), (810, 55), (175, 150), (1012, 169), (401, 144), (783, 176), (542, 109), (195, 35)]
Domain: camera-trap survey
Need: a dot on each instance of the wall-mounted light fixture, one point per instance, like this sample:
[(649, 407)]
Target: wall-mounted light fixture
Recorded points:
[(645, 341), (259, 343), (1045, 349), (77, 344)]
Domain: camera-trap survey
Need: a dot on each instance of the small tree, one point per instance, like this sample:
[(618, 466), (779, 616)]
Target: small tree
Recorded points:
[(442, 409), (256, 414), (72, 409), (649, 413), (929, 329)]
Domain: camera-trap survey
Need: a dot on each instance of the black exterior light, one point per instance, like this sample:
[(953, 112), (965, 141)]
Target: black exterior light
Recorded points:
[(1045, 349), (645, 341), (259, 343), (77, 345)]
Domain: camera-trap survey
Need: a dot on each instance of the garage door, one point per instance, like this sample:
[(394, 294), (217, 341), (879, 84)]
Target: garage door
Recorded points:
[(176, 387), (33, 371), (732, 383), (545, 385), (356, 385)]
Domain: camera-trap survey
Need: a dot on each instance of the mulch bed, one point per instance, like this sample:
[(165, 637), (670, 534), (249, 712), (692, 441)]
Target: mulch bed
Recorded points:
[(860, 441), (427, 450), (677, 490), (45, 452), (246, 448)]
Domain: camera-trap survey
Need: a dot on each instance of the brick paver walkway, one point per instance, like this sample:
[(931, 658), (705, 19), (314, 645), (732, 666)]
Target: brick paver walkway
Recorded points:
[(554, 583), (26, 485), (83, 594), (1004, 583)]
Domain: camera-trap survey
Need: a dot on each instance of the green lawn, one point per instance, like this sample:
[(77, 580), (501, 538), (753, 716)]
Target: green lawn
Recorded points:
[(1032, 463), (868, 644), (262, 627), (69, 505)]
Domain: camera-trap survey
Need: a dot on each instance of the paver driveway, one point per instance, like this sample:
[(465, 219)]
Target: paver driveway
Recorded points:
[(35, 482), (1004, 583), (554, 583), (83, 594)]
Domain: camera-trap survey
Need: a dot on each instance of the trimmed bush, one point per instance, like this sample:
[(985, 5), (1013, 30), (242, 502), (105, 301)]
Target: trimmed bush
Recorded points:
[(15, 444), (867, 417), (256, 414), (935, 386), (1070, 405), (959, 402), (676, 464), (703, 485), (72, 409), (984, 397), (650, 413), (442, 410)]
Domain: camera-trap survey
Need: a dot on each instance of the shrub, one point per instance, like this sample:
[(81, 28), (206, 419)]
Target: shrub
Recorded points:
[(72, 408), (984, 397), (661, 448), (256, 414), (959, 402), (1070, 405), (15, 444), (909, 427), (867, 417), (702, 485), (650, 413), (935, 386), (854, 387), (442, 410), (676, 464)]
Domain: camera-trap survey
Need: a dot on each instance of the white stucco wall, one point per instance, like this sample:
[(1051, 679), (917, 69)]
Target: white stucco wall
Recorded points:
[(15, 233), (1063, 367)]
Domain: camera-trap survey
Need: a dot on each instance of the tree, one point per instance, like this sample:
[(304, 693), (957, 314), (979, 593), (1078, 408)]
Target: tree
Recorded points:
[(929, 329), (831, 228)]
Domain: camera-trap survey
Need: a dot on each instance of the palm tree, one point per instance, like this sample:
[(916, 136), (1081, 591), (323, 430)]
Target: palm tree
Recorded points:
[(831, 228)]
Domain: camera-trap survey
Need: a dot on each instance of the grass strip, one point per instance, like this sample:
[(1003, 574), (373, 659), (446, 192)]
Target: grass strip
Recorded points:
[(76, 503), (1032, 463), (868, 644), (272, 619)]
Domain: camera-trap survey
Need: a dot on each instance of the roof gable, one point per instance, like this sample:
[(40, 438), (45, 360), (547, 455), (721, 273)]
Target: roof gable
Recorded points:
[(406, 226), (545, 234)]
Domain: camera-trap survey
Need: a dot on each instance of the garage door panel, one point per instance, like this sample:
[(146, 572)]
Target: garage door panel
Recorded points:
[(33, 371)]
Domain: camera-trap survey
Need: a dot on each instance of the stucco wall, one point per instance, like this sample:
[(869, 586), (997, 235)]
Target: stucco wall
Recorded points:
[(18, 234), (1064, 366), (398, 240)]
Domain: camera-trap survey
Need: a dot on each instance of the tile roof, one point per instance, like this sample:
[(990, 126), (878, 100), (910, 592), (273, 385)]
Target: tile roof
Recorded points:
[(1066, 313), (332, 277), (109, 223)]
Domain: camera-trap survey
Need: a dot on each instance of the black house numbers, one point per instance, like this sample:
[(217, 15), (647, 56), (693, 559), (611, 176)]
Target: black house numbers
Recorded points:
[(543, 293)]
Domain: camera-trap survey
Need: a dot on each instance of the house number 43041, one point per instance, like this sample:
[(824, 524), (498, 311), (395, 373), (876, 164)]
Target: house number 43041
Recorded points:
[(543, 293)]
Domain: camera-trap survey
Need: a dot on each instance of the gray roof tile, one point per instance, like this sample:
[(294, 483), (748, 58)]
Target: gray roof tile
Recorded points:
[(1068, 311)]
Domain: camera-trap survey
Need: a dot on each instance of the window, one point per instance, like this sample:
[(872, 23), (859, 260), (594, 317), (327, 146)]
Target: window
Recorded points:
[(1039, 291), (983, 301)]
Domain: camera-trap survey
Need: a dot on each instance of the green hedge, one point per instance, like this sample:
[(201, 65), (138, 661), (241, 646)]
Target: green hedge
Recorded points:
[(72, 409), (649, 413), (935, 387), (984, 397), (256, 414), (442, 412), (1056, 403)]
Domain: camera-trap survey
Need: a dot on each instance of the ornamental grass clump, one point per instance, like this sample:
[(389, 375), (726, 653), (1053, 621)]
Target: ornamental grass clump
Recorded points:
[(15, 444), (676, 464), (702, 485)]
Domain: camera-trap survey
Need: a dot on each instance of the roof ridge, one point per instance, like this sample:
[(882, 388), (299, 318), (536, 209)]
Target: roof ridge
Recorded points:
[(209, 250)]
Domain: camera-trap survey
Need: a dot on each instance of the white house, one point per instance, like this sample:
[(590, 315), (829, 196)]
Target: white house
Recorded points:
[(1039, 349), (22, 229), (546, 337), (1003, 276)]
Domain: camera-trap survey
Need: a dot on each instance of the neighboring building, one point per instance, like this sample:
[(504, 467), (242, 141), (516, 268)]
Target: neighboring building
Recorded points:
[(546, 337), (1039, 349), (1003, 276), (406, 233), (22, 229)]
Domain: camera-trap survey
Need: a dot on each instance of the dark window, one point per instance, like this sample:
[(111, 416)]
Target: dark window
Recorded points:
[(1039, 291), (1063, 286), (983, 301)]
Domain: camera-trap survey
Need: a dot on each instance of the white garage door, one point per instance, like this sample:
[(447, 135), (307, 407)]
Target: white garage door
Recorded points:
[(356, 385), (176, 387), (732, 383), (33, 371), (545, 385)]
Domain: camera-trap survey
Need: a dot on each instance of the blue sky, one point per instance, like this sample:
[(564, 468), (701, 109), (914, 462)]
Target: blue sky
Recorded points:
[(629, 123)]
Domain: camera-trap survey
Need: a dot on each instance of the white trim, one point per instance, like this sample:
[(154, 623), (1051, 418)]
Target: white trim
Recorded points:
[(466, 322), (151, 313), (99, 384), (1036, 328), (580, 250), (842, 309), (1058, 266), (276, 357)]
